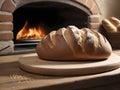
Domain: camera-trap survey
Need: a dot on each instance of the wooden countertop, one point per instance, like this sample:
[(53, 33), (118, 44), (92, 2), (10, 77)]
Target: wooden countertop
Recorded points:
[(12, 77)]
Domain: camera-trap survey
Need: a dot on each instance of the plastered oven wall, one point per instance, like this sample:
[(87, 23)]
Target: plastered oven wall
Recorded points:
[(109, 8)]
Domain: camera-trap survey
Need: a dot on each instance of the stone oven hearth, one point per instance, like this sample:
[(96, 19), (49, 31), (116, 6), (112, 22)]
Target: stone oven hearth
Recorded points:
[(49, 14)]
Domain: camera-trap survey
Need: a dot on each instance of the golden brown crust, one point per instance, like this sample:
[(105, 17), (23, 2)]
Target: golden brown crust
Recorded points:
[(111, 25), (72, 43), (114, 21)]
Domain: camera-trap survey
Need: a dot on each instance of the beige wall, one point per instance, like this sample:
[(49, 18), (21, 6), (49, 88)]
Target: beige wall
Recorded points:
[(109, 8)]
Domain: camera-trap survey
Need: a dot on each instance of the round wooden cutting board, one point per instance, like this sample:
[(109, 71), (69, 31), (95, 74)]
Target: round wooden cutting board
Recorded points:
[(33, 64)]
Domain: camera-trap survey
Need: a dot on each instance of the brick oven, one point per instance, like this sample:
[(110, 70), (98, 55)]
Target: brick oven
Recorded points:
[(53, 14)]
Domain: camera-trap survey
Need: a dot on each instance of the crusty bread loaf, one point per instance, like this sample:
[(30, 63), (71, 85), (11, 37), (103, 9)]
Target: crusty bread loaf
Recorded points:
[(108, 26), (72, 43), (111, 25)]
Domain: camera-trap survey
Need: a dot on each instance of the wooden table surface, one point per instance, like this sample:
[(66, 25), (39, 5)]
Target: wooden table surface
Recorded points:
[(12, 77)]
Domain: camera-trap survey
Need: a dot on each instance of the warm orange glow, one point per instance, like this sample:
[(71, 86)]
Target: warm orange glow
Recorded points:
[(30, 33)]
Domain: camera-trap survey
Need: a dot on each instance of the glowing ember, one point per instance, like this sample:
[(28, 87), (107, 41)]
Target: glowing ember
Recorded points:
[(30, 32)]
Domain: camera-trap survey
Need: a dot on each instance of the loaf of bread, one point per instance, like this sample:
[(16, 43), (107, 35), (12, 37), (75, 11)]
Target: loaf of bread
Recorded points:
[(72, 43), (111, 25)]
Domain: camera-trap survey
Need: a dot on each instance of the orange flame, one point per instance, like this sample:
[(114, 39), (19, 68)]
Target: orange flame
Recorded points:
[(30, 32)]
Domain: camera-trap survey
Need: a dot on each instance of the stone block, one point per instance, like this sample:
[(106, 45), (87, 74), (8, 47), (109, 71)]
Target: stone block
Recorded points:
[(7, 35), (6, 17), (6, 26), (94, 26), (8, 6), (6, 47), (94, 18)]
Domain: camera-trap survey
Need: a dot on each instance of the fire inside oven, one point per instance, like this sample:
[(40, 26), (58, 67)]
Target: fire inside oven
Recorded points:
[(32, 22)]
